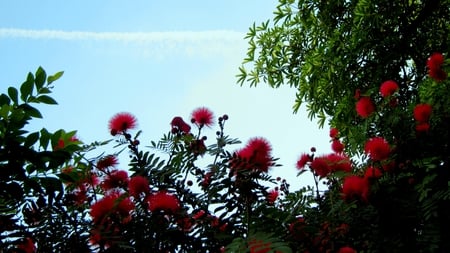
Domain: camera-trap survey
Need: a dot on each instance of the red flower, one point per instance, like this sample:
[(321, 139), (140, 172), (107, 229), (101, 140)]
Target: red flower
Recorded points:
[(357, 94), (338, 162), (365, 107), (27, 246), (334, 132), (199, 214), (337, 146), (107, 162), (320, 166), (122, 122), (435, 61), (111, 205), (202, 117), (256, 155), (388, 88), (302, 161), (377, 148), (138, 185), (272, 196), (178, 124), (116, 179), (259, 246), (163, 201), (355, 187), (434, 64), (423, 127), (346, 249), (372, 172), (422, 112)]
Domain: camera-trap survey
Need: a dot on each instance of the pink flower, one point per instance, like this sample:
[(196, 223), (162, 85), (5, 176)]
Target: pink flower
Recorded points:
[(122, 122), (337, 146), (302, 161), (377, 148), (355, 187), (163, 201), (422, 112), (365, 107), (116, 179), (202, 117), (138, 185), (388, 88)]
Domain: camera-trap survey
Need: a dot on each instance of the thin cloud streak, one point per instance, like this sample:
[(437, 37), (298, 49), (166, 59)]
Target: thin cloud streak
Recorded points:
[(138, 37)]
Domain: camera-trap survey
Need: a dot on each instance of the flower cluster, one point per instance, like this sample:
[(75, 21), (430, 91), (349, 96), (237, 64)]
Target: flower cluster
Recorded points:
[(435, 63)]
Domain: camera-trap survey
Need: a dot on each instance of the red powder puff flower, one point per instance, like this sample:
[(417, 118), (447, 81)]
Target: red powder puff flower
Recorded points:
[(198, 215), (334, 132), (422, 112), (178, 124), (320, 166), (272, 196), (438, 75), (27, 246), (111, 205), (163, 201), (423, 127), (435, 61), (365, 107), (138, 185), (116, 179), (256, 155), (302, 161), (259, 246), (122, 122), (357, 94), (107, 162), (355, 187), (388, 88), (337, 146), (202, 117), (338, 162), (372, 172), (346, 249), (377, 148)]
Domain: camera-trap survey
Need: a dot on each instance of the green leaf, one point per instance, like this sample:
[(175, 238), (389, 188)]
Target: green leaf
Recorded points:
[(46, 100), (31, 139), (54, 77), (45, 138), (13, 94), (31, 111), (4, 99), (40, 77), (26, 89)]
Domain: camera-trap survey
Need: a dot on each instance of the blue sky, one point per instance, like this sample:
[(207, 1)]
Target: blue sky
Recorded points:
[(156, 60)]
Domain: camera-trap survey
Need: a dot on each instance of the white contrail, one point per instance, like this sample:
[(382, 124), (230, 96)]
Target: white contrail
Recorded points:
[(140, 37), (160, 44)]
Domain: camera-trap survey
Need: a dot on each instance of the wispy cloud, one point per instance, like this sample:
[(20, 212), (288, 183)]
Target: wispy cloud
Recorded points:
[(188, 42)]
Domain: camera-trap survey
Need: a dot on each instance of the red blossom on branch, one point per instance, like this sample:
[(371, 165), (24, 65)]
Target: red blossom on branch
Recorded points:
[(377, 148), (388, 88), (203, 117), (272, 196), (138, 185), (355, 187), (178, 124), (347, 249), (116, 179), (422, 112), (163, 201), (107, 162), (122, 122), (302, 161), (255, 155), (337, 146), (434, 64), (365, 107), (334, 132), (113, 204)]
